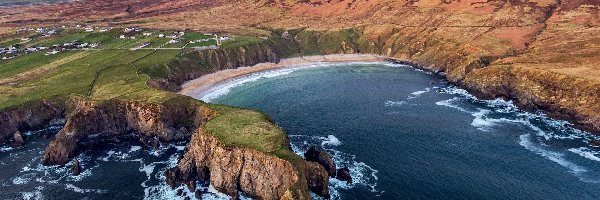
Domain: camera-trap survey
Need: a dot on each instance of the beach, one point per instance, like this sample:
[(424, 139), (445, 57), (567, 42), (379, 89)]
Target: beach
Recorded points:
[(198, 86)]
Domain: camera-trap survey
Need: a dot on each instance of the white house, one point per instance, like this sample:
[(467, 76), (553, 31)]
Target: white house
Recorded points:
[(52, 52), (147, 33)]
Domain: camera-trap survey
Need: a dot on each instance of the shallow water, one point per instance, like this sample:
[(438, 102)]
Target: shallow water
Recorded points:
[(406, 134)]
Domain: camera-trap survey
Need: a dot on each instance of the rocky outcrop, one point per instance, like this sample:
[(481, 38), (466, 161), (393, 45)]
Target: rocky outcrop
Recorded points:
[(18, 140), (95, 122), (32, 116), (75, 168), (343, 174), (317, 179), (229, 170), (323, 158)]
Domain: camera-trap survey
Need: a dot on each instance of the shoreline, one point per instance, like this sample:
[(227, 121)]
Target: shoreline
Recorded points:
[(201, 85)]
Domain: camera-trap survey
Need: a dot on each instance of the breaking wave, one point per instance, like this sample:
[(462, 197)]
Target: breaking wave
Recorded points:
[(542, 129), (225, 87)]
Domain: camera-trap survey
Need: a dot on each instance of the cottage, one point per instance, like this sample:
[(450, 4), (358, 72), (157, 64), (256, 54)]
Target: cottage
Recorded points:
[(52, 52), (147, 33), (89, 29), (224, 38)]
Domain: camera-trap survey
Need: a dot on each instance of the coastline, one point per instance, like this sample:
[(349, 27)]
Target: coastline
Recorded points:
[(196, 87)]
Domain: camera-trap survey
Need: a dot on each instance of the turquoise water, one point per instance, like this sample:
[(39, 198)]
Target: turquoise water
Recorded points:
[(406, 134)]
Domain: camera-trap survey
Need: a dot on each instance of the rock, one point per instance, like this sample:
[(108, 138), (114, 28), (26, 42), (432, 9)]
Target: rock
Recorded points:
[(198, 194), (75, 168), (594, 143), (343, 174), (18, 140), (317, 179), (156, 143), (187, 198), (191, 185), (31, 116), (172, 176), (323, 158), (179, 192), (122, 119)]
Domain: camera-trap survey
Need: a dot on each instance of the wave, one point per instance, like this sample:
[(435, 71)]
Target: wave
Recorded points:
[(225, 88), (586, 153), (542, 129), (551, 155), (80, 190), (35, 195), (330, 140)]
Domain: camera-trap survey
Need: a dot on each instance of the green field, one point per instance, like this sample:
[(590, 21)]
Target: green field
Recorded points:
[(111, 71)]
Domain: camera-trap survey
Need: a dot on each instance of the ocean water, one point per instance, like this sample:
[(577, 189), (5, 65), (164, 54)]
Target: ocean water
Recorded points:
[(404, 134), (112, 171), (407, 134)]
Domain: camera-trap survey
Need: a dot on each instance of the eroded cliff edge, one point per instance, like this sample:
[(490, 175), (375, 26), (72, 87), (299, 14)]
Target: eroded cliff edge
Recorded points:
[(235, 150)]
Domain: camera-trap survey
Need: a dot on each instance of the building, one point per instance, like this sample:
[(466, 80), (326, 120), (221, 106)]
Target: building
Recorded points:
[(147, 33)]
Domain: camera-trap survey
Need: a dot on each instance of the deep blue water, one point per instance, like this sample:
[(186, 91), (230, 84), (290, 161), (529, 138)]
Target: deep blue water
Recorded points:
[(407, 134)]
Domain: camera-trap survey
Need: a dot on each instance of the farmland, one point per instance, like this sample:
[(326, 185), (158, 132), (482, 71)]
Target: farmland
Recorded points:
[(99, 64)]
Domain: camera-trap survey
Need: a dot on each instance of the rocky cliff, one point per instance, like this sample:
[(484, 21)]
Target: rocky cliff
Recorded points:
[(248, 171), (33, 116), (93, 122), (230, 167), (198, 63)]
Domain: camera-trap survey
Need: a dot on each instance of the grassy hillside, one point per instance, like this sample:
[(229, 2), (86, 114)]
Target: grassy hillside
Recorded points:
[(116, 69)]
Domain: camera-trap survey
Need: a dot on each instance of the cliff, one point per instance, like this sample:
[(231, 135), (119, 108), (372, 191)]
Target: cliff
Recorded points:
[(198, 63), (253, 158), (32, 116), (255, 174), (93, 122)]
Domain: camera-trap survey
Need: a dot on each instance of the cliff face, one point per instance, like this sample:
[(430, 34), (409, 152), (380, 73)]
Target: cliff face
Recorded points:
[(94, 122), (198, 63), (253, 173), (33, 116), (230, 169)]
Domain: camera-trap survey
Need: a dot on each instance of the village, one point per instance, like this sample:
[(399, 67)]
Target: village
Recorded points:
[(54, 40)]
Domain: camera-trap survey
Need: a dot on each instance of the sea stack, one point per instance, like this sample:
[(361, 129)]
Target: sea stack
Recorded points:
[(323, 158), (343, 174), (18, 139), (75, 168)]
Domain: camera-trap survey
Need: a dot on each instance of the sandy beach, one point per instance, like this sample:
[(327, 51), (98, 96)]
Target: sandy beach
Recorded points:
[(200, 85)]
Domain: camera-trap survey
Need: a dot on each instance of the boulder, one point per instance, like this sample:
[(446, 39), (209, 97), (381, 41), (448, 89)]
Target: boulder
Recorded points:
[(317, 179), (343, 174), (595, 143), (323, 158), (18, 139), (75, 168)]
